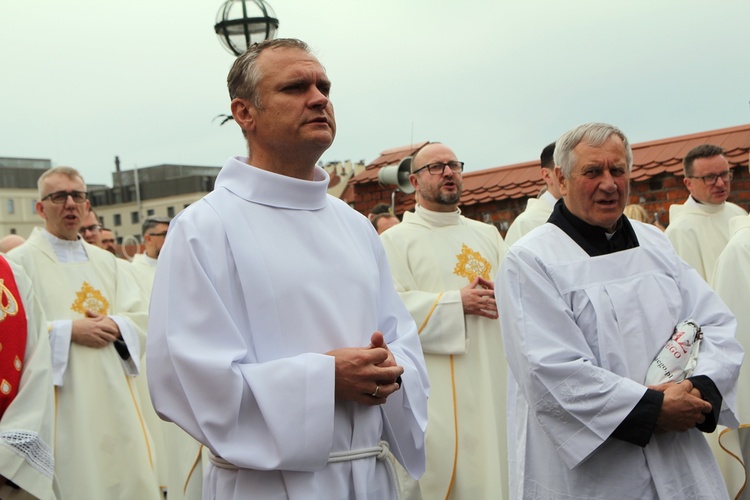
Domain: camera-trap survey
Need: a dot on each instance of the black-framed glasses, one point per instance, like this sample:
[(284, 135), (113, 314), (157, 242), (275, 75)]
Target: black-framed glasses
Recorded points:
[(163, 233), (438, 167), (710, 179), (60, 197), (94, 228)]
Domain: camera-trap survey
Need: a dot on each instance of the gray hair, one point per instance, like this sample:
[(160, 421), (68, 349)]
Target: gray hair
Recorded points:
[(594, 134), (68, 172), (153, 221), (244, 76)]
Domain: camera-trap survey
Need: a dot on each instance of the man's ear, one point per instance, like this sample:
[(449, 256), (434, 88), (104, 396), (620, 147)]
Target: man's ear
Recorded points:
[(242, 111), (39, 206), (414, 181), (561, 180)]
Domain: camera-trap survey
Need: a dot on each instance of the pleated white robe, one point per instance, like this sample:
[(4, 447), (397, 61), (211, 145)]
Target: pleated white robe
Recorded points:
[(580, 334), (256, 282)]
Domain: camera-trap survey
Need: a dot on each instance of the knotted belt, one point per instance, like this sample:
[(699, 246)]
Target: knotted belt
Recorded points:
[(380, 452)]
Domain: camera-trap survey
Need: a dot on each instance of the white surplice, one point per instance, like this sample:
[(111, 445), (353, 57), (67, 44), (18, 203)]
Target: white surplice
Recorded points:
[(26, 454), (178, 455), (537, 212), (732, 282), (255, 283), (433, 255), (699, 232), (102, 448), (580, 334)]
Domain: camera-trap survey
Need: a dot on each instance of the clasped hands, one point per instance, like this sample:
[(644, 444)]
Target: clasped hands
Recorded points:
[(95, 330), (683, 407), (366, 375), (478, 297)]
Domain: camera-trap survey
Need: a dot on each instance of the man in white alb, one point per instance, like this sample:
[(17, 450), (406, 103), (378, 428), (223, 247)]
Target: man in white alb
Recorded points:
[(699, 228), (538, 209), (97, 333), (586, 302), (443, 265), (276, 338)]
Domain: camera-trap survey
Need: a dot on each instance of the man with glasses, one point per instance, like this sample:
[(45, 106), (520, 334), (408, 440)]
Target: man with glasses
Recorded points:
[(97, 324), (91, 229), (108, 241), (699, 228), (443, 265), (154, 231)]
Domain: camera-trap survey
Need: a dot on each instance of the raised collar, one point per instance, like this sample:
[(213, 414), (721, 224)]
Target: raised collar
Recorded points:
[(439, 219), (274, 190)]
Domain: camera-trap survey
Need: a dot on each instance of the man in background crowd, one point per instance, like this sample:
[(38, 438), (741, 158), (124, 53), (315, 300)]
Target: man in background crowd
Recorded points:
[(699, 228), (443, 265), (538, 209)]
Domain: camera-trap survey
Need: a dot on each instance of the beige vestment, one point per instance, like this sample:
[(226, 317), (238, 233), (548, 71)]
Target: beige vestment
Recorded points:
[(102, 447), (432, 256)]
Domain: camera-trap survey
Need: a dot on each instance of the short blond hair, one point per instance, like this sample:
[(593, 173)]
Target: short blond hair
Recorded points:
[(636, 212)]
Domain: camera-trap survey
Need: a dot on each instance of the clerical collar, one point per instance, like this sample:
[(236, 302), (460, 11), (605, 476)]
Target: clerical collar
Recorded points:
[(271, 189), (150, 261), (594, 240), (708, 207), (439, 219), (66, 250)]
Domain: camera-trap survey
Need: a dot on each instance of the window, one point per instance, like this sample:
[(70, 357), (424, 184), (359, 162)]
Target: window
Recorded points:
[(134, 217), (150, 212), (170, 211), (117, 220), (186, 205), (11, 206), (33, 206)]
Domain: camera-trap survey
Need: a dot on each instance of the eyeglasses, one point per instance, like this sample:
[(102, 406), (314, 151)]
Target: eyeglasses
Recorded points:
[(163, 233), (94, 228), (710, 179), (61, 197), (438, 167)]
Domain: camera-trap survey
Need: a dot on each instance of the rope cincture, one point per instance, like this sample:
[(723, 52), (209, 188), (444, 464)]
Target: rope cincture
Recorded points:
[(380, 452)]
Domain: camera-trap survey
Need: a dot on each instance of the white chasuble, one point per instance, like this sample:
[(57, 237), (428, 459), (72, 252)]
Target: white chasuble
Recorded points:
[(102, 447), (580, 334), (433, 256), (699, 232), (255, 283), (26, 454), (732, 282)]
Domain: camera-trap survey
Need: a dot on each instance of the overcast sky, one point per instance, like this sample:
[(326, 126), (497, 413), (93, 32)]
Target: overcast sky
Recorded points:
[(85, 80)]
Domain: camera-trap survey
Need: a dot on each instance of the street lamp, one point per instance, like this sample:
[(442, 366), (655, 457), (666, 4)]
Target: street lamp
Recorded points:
[(241, 23)]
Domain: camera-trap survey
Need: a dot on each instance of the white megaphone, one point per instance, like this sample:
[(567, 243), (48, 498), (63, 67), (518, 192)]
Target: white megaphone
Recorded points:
[(397, 175)]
